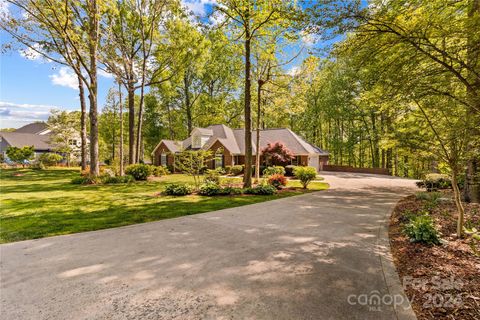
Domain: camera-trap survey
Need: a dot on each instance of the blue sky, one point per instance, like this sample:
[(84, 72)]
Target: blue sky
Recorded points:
[(30, 86)]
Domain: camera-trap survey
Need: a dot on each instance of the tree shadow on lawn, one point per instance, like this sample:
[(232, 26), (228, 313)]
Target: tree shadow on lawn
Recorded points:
[(31, 218), (218, 268)]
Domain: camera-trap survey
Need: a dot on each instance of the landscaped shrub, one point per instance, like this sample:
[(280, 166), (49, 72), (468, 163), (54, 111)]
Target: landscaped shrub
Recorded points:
[(176, 189), (435, 181), (212, 176), (421, 229), (87, 179), (50, 159), (228, 169), (289, 170), (159, 171), (236, 170), (210, 188), (305, 175), (277, 180), (220, 170), (268, 171), (37, 165), (117, 179), (261, 190), (139, 171), (432, 198), (232, 191)]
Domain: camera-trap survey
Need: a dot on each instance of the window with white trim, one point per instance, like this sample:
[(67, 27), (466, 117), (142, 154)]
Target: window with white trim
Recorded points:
[(218, 159), (163, 159)]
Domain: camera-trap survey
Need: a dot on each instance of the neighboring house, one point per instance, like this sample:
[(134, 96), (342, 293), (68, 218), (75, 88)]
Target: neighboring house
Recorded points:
[(228, 146), (34, 134)]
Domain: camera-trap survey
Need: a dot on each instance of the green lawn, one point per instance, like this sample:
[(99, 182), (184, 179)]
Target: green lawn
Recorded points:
[(36, 204)]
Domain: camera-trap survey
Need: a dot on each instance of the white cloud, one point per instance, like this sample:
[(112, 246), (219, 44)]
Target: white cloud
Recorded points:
[(293, 71), (31, 53), (198, 7), (105, 74), (309, 39), (15, 114), (65, 78), (4, 8)]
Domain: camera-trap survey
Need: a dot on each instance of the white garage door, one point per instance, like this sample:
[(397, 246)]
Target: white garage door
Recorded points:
[(313, 162)]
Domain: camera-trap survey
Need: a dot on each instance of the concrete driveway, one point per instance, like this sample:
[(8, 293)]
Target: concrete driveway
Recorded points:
[(305, 257)]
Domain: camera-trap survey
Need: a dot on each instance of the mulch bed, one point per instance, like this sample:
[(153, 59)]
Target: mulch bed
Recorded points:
[(442, 282)]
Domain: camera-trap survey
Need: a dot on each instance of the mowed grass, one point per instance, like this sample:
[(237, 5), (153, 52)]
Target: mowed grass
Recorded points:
[(42, 203)]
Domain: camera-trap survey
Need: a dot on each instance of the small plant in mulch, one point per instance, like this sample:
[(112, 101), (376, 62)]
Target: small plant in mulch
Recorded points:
[(455, 259)]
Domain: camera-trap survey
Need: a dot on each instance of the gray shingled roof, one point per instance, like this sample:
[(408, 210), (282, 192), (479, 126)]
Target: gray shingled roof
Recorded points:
[(16, 139), (34, 128), (234, 140)]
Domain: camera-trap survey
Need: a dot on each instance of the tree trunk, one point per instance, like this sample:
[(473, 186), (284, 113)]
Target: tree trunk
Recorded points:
[(83, 125), (257, 138), (131, 122), (188, 107), (472, 181), (139, 155), (458, 203), (247, 177), (120, 102), (93, 88)]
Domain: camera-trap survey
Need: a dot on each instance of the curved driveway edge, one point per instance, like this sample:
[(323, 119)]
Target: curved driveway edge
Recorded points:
[(403, 310), (313, 256)]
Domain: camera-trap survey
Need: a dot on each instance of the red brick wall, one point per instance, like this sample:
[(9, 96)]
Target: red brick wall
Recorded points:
[(158, 152), (227, 156)]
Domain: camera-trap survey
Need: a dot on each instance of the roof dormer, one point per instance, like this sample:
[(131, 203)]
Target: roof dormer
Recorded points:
[(200, 136)]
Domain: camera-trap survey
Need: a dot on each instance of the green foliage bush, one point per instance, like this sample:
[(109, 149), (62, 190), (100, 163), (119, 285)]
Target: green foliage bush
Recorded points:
[(236, 170), (175, 189), (274, 170), (38, 166), (117, 179), (20, 155), (209, 188), (305, 175), (50, 159), (422, 229), (261, 190), (220, 170), (289, 170), (432, 198), (212, 176), (228, 169), (87, 179), (277, 180), (435, 181), (139, 171), (159, 171)]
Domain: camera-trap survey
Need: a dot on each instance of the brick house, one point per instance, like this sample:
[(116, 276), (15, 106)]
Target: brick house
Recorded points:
[(228, 146)]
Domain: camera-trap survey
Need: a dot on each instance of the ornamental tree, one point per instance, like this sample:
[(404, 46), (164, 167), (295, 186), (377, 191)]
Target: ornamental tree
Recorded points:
[(277, 154), (20, 155)]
